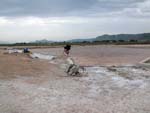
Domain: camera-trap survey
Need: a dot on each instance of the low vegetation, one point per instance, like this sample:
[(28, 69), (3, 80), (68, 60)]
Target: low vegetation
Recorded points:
[(119, 42)]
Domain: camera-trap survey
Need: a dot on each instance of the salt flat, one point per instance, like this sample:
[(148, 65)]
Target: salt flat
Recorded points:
[(106, 55), (39, 86)]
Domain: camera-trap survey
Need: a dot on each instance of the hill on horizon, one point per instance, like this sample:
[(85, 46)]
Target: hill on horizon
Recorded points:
[(106, 37), (117, 37), (125, 37)]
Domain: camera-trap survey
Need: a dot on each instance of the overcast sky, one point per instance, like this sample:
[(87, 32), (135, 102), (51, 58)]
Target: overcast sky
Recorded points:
[(28, 20)]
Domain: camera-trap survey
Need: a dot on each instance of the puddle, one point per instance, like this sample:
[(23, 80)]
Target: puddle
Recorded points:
[(42, 56), (10, 51)]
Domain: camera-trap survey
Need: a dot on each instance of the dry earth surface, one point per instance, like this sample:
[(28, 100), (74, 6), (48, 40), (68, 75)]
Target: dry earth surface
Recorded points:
[(105, 55), (39, 86)]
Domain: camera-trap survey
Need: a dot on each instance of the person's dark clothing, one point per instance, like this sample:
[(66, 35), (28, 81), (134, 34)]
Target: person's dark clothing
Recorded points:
[(66, 49)]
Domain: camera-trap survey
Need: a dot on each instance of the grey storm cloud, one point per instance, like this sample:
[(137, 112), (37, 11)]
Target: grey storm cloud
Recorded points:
[(50, 8), (42, 7)]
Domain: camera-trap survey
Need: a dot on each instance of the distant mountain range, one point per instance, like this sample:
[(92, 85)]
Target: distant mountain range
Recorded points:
[(117, 37), (3, 42), (81, 40), (43, 41), (125, 37), (106, 37)]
